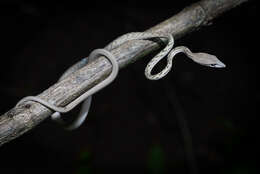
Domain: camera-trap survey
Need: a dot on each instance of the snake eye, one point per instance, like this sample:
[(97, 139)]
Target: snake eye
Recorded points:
[(213, 65)]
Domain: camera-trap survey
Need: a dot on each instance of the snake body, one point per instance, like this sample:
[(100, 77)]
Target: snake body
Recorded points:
[(201, 58)]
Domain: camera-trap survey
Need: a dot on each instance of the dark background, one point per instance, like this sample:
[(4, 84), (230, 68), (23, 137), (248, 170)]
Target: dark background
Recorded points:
[(133, 124)]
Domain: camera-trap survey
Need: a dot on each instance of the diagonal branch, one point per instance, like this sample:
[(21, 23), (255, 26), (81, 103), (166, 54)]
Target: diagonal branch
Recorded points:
[(19, 120)]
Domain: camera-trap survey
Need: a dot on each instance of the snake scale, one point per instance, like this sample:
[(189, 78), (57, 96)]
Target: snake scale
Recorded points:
[(201, 58)]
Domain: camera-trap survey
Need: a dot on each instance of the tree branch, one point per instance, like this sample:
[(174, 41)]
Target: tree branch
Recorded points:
[(19, 120)]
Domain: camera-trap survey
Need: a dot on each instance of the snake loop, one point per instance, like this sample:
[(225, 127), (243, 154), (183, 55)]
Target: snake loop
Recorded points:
[(86, 96)]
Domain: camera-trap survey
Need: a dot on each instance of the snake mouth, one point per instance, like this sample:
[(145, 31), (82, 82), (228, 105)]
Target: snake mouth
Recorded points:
[(217, 65)]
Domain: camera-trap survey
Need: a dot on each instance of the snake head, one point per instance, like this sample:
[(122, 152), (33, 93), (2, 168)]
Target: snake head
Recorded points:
[(207, 60)]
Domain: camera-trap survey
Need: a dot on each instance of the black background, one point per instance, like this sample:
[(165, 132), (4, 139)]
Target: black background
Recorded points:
[(132, 125)]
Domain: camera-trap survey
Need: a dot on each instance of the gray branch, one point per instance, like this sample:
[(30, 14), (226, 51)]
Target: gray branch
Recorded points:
[(21, 119)]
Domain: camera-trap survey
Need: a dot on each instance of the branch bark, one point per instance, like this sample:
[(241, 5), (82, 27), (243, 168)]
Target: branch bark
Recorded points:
[(19, 120)]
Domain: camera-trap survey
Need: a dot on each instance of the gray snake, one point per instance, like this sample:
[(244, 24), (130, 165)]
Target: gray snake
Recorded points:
[(201, 58)]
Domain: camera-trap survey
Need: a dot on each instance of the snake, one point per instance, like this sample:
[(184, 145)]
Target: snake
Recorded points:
[(168, 51)]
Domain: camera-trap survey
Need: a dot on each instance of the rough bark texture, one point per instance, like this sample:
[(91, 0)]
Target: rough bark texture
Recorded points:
[(21, 119)]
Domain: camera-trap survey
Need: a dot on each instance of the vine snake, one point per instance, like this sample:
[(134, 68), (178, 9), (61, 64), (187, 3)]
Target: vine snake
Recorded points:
[(200, 58)]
